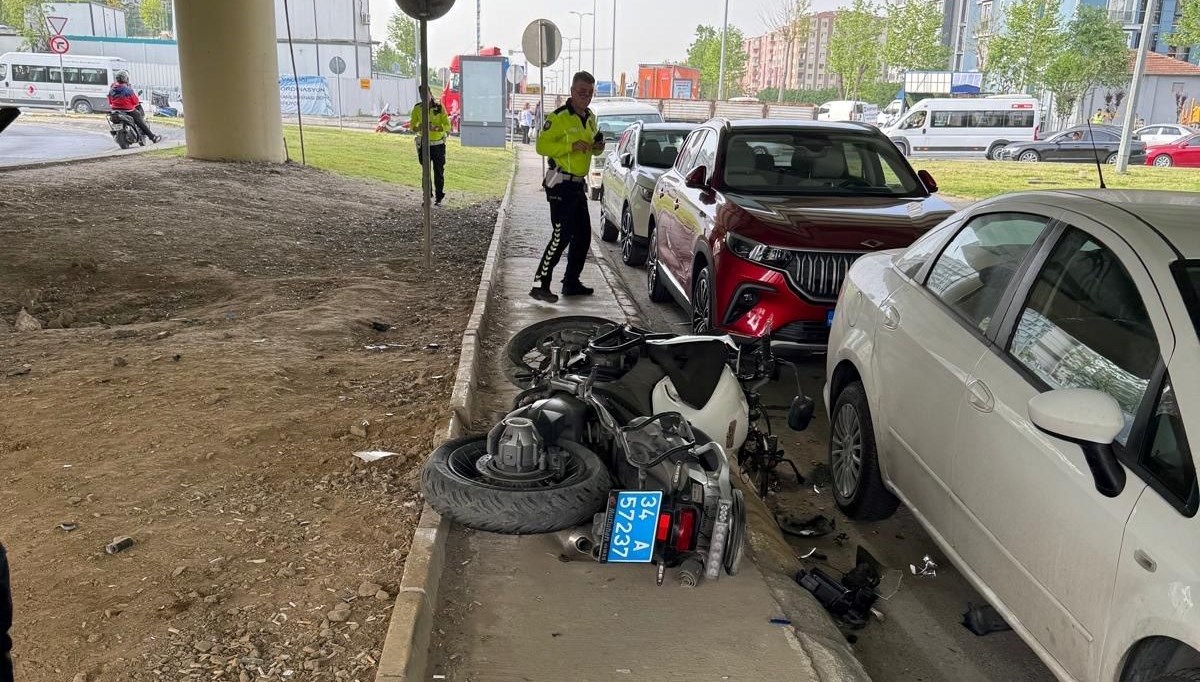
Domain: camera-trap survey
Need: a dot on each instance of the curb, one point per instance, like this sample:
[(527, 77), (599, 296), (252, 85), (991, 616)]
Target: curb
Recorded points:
[(170, 144), (608, 269), (405, 652)]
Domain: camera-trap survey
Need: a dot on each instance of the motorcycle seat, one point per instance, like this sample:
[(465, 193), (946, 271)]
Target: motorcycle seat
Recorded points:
[(695, 367)]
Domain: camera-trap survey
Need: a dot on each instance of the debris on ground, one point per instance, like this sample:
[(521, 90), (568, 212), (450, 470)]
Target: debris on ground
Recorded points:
[(372, 455), (119, 544), (27, 322), (927, 567), (984, 619), (814, 527), (850, 599)]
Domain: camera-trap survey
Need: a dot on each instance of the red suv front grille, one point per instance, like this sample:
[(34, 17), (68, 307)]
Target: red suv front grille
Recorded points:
[(818, 275)]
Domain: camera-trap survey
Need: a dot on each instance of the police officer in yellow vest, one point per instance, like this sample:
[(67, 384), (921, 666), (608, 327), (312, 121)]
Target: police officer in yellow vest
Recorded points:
[(439, 128), (569, 139)]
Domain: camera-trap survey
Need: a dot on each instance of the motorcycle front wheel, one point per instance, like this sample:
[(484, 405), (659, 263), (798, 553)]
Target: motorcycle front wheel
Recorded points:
[(528, 351), (123, 140), (454, 486)]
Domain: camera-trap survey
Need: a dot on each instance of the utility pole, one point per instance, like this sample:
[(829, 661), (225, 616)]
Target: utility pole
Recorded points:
[(1139, 68), (612, 67), (478, 32), (721, 68), (593, 37)]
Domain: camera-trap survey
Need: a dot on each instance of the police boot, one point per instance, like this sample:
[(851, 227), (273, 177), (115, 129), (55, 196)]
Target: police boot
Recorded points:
[(542, 292), (576, 288)]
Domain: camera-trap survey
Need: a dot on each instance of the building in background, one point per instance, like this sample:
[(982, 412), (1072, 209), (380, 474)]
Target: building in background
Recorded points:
[(322, 30), (968, 24), (766, 57)]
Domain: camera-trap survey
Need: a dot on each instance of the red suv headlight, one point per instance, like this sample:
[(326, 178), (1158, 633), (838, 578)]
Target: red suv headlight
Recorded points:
[(753, 251)]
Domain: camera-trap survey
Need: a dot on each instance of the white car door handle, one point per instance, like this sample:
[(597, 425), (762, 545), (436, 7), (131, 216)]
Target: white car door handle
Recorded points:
[(980, 396), (891, 316)]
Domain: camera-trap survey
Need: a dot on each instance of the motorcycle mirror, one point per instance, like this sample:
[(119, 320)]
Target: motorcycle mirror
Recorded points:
[(800, 413)]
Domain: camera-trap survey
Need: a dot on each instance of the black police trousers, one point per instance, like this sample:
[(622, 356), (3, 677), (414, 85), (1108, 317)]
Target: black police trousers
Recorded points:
[(437, 159), (6, 667), (572, 231)]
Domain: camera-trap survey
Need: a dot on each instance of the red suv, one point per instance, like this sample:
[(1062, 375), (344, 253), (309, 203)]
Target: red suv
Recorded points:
[(754, 227)]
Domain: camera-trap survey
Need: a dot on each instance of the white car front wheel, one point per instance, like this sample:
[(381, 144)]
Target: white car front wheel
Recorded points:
[(853, 460)]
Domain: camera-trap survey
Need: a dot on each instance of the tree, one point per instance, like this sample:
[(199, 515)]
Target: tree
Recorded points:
[(27, 17), (1092, 54), (154, 15), (851, 56), (398, 54), (1019, 55), (914, 36), (790, 21), (705, 54), (1187, 26)]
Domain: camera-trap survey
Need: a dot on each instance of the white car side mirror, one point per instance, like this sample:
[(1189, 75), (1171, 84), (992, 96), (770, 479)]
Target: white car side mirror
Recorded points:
[(1091, 419)]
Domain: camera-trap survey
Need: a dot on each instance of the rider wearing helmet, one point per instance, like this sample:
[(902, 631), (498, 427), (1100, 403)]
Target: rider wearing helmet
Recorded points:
[(121, 97)]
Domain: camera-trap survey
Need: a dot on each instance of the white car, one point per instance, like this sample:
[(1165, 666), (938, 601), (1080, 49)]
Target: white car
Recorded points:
[(613, 116), (1162, 134), (1019, 378), (643, 153)]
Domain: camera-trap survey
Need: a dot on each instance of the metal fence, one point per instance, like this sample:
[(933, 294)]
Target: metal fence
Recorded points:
[(694, 110)]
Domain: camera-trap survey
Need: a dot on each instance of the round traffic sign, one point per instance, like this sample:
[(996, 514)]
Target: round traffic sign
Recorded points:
[(541, 42), (427, 10), (59, 45), (515, 73), (337, 65)]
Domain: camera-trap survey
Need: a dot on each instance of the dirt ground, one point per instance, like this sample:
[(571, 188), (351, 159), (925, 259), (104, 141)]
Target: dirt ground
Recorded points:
[(205, 359)]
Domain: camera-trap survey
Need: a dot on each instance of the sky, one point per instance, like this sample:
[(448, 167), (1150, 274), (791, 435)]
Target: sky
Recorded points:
[(647, 30)]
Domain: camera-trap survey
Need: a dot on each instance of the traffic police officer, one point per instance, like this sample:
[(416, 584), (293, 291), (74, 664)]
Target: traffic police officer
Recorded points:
[(569, 139), (439, 128)]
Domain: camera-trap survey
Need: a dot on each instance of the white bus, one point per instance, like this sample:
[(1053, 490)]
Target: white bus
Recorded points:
[(976, 125), (32, 79)]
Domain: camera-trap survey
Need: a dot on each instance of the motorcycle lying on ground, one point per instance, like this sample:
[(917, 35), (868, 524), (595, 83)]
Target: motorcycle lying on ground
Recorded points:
[(608, 442), (391, 123)]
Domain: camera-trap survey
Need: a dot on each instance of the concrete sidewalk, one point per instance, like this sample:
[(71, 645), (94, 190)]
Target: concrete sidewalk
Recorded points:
[(511, 610)]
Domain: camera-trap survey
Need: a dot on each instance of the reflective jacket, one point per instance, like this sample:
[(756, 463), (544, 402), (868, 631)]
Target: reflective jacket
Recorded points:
[(563, 128), (439, 122)]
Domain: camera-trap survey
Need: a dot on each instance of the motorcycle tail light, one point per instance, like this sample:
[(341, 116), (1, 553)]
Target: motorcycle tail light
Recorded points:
[(663, 533), (685, 527)]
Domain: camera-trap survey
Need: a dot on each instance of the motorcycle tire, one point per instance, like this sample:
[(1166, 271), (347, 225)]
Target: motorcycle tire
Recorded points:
[(735, 549), (529, 348), (122, 139), (453, 486)]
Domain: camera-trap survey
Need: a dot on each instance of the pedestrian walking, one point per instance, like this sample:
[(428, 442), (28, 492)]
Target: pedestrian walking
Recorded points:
[(439, 129), (526, 123), (569, 139), (6, 666)]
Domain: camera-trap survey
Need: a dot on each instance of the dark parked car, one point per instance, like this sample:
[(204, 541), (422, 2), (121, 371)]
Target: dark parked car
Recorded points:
[(755, 225), (7, 116), (1080, 144)]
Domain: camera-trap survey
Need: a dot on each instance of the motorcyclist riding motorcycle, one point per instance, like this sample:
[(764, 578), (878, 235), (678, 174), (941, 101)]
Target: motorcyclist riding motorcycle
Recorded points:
[(121, 97)]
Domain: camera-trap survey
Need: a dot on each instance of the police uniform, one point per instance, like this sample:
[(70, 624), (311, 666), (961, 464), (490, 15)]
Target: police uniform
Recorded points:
[(437, 143), (566, 190)]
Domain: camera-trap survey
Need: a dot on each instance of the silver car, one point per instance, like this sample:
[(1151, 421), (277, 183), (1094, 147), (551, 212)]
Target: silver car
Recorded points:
[(643, 153)]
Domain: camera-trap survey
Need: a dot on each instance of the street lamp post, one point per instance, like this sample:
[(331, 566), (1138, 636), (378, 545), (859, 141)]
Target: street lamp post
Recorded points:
[(593, 37), (612, 67), (721, 67), (1139, 68), (567, 53), (581, 15)]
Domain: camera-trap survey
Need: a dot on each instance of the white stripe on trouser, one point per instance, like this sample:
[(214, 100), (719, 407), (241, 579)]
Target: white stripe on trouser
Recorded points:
[(544, 269)]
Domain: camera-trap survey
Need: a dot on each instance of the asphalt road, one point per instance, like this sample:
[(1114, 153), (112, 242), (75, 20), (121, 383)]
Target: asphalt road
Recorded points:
[(921, 638), (30, 140)]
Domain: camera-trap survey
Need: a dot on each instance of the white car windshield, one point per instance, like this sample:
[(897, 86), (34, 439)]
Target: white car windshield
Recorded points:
[(817, 162), (611, 126)]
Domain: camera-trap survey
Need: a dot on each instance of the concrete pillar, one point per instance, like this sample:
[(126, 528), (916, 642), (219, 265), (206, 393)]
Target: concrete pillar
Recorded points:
[(230, 70)]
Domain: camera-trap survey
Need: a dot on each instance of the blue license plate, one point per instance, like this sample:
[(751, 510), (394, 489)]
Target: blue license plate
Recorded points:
[(630, 526), (829, 318)]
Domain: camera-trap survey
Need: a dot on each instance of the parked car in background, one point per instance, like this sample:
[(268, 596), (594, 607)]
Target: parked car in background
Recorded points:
[(1024, 379), (755, 225), (965, 126), (613, 116), (1081, 144), (31, 79), (643, 153), (848, 110), (1162, 134), (1182, 152)]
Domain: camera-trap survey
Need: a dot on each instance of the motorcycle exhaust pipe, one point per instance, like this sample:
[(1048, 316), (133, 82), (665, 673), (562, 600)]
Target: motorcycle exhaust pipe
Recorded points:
[(690, 572), (577, 542)]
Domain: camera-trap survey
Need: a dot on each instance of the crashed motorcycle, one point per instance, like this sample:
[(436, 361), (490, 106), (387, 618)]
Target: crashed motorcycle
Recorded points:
[(608, 443), (391, 123), (125, 130)]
